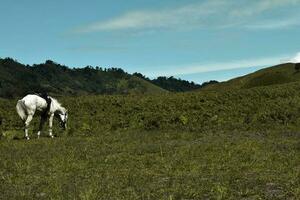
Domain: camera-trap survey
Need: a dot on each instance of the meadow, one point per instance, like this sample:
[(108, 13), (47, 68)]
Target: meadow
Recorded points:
[(237, 144)]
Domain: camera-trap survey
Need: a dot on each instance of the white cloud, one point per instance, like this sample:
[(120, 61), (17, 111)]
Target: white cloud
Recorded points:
[(210, 13), (274, 24), (295, 59), (210, 67), (156, 19), (262, 6)]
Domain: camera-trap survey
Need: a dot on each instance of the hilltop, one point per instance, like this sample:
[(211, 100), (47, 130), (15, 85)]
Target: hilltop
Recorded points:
[(17, 79), (279, 74)]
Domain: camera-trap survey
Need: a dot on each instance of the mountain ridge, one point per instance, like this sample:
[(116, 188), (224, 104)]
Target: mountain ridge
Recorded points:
[(17, 79)]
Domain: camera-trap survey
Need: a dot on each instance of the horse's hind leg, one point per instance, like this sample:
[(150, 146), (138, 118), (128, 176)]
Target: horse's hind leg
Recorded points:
[(50, 125), (27, 122)]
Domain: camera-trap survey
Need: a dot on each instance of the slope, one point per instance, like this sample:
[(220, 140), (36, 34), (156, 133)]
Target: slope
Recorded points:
[(279, 74), (17, 79)]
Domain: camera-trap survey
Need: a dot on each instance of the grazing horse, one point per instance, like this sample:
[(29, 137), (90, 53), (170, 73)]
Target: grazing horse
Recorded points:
[(46, 106)]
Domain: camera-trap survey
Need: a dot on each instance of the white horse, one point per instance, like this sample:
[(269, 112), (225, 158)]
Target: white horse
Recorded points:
[(27, 107)]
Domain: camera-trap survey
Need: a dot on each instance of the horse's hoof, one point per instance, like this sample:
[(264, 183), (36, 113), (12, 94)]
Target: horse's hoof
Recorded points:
[(27, 138)]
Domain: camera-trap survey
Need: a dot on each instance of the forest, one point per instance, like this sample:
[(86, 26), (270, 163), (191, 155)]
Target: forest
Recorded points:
[(17, 79)]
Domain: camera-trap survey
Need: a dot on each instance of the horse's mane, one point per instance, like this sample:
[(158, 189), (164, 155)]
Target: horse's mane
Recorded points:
[(57, 105)]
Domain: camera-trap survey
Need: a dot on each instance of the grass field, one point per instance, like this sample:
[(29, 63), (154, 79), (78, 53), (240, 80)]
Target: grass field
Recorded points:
[(153, 165), (242, 144)]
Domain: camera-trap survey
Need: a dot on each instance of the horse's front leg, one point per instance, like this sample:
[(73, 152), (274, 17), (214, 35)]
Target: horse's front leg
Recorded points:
[(42, 122), (50, 125), (27, 122)]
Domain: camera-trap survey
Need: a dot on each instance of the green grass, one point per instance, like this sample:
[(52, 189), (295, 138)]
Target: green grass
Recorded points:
[(153, 165), (238, 144), (262, 108)]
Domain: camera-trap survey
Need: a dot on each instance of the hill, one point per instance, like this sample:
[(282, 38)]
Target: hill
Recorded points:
[(173, 84), (279, 74), (236, 144), (17, 79), (248, 109)]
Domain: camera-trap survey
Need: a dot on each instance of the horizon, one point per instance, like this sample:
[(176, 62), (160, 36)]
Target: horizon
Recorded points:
[(239, 72), (193, 40)]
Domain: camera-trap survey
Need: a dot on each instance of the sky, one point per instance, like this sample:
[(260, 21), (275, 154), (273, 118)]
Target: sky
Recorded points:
[(196, 40)]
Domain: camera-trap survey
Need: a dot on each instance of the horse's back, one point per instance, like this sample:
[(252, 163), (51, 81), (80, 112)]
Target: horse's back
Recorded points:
[(34, 102), (29, 100)]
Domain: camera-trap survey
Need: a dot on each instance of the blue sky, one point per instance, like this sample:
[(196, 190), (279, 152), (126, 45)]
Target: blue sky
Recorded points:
[(195, 40)]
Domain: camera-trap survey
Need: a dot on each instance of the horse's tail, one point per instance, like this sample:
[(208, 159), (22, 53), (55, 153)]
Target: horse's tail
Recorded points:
[(21, 109)]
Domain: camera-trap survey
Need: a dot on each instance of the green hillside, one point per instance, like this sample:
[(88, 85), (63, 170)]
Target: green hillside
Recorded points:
[(17, 79), (279, 74), (173, 84), (236, 144), (247, 109)]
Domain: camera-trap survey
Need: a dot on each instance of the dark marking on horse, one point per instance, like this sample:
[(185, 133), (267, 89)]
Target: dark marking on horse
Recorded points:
[(45, 96)]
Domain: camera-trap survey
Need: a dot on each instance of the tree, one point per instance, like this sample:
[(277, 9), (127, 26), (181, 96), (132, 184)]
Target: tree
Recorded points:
[(50, 62), (209, 83)]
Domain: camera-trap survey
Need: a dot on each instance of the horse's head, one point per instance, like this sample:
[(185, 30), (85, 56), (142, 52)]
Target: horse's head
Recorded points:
[(63, 118)]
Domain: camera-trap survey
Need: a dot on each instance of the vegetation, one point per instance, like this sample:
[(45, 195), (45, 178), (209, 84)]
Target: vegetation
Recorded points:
[(254, 109), (238, 143), (17, 79), (280, 74), (173, 84), (178, 85), (153, 165), (219, 145)]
